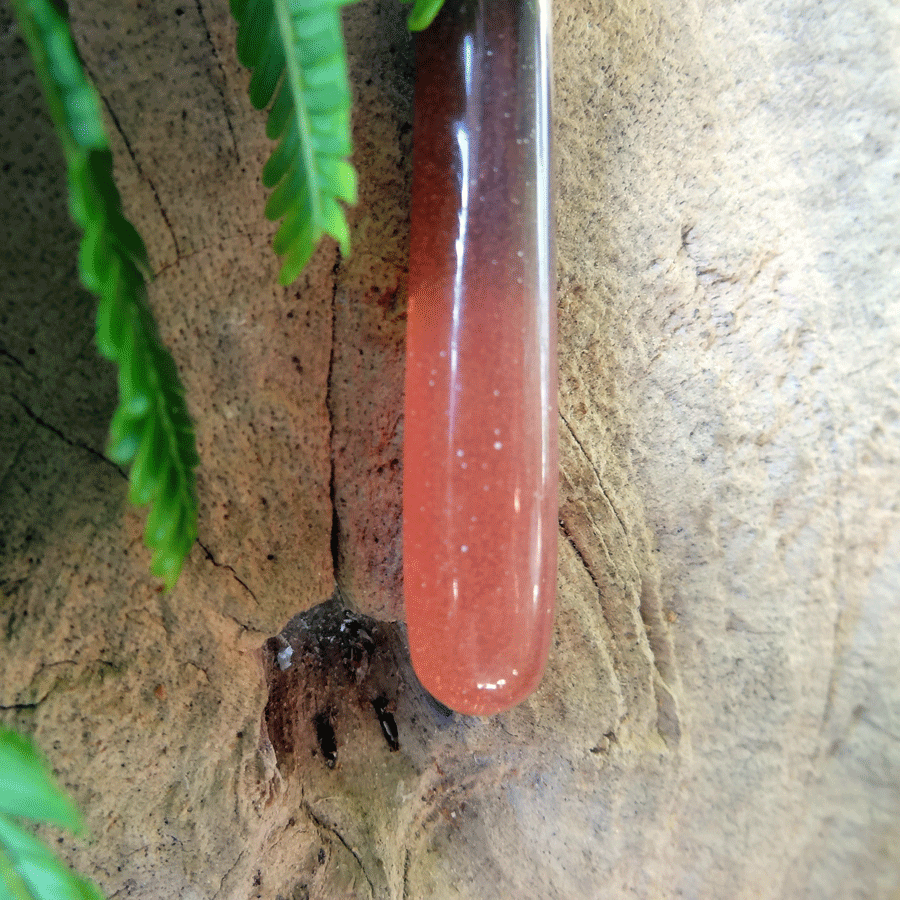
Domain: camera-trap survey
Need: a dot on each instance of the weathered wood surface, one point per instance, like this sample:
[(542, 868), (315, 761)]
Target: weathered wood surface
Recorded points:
[(721, 715)]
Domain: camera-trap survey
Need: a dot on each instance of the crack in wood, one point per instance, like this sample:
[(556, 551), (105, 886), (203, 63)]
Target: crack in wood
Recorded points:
[(231, 868), (206, 248), (15, 359), (137, 165), (231, 569), (322, 825), (34, 704), (580, 555), (221, 93), (54, 430), (596, 474), (329, 406), (406, 865)]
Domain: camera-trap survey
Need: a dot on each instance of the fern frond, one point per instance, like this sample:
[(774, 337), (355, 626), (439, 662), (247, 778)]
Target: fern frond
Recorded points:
[(423, 14), (28, 870), (295, 49), (150, 429)]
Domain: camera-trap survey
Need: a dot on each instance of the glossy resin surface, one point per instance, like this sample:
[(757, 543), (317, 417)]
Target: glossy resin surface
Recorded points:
[(480, 457)]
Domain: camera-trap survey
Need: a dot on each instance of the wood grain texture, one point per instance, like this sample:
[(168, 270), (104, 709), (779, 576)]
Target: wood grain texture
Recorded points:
[(718, 715)]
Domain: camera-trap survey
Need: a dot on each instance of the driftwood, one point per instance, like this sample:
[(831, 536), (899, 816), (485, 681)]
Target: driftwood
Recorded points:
[(721, 713)]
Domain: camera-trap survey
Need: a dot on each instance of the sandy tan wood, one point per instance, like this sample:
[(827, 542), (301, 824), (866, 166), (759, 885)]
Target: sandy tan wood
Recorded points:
[(721, 714)]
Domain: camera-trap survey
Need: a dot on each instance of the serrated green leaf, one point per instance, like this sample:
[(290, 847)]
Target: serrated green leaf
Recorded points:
[(320, 32), (28, 870), (322, 81), (26, 790), (304, 7), (334, 223), (253, 31), (280, 161), (294, 230), (135, 374), (151, 425), (339, 176), (87, 889), (308, 170), (297, 254), (280, 113), (123, 445), (164, 516), (42, 874), (291, 187), (11, 881), (296, 224), (94, 260), (266, 74), (331, 130), (168, 565), (148, 466), (112, 315), (45, 877), (423, 14)]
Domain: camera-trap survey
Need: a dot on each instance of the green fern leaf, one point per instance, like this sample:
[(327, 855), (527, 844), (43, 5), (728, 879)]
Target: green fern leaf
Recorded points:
[(295, 49), (28, 870), (423, 14), (25, 788), (151, 429)]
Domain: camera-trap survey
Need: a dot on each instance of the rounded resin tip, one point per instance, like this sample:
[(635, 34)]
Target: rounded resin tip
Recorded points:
[(480, 455)]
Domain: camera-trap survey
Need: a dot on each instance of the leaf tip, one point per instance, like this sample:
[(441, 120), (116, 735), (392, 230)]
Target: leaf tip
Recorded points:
[(423, 14)]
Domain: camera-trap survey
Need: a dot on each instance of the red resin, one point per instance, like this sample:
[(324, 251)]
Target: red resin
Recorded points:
[(480, 456)]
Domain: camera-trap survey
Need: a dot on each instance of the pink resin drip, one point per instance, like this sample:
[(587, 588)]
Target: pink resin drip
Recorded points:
[(480, 456)]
